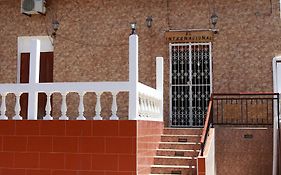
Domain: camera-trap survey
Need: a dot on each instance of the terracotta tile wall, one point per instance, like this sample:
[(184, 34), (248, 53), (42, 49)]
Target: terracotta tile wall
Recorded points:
[(238, 155), (92, 41), (148, 138), (68, 147)]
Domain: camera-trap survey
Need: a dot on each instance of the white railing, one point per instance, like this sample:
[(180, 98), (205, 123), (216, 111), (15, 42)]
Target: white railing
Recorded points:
[(145, 103)]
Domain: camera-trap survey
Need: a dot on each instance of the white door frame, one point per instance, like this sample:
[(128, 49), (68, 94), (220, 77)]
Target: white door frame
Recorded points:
[(170, 67), (276, 70), (24, 47)]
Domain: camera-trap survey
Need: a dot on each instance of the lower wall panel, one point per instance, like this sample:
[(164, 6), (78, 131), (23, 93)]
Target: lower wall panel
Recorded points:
[(243, 151)]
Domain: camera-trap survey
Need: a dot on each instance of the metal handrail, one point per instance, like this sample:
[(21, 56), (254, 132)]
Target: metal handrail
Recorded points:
[(207, 125), (209, 120)]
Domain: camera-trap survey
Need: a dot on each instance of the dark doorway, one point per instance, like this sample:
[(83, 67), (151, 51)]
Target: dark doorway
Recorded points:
[(45, 76)]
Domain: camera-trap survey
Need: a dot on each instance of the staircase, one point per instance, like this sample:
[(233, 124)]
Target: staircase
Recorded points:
[(177, 152)]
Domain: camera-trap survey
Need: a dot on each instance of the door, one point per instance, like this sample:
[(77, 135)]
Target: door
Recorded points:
[(190, 83), (45, 75)]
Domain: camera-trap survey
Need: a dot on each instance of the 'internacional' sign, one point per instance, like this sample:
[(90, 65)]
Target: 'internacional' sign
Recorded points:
[(188, 36)]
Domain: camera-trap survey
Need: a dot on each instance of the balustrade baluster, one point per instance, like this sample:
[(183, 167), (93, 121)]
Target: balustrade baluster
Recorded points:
[(141, 109), (64, 107), (81, 106), (114, 106), (3, 107), (48, 107), (17, 107), (98, 107)]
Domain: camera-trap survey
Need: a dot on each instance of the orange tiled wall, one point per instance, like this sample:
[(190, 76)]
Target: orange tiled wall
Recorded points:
[(148, 137), (67, 147)]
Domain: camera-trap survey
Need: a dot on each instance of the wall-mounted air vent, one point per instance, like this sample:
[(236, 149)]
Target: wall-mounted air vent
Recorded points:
[(30, 7)]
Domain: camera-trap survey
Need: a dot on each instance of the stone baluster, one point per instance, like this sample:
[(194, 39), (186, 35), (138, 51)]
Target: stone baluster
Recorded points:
[(64, 107), (114, 106), (98, 107), (48, 107), (3, 107), (140, 106), (17, 107), (81, 106)]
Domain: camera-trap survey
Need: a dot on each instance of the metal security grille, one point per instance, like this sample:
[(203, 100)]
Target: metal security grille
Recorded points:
[(191, 83)]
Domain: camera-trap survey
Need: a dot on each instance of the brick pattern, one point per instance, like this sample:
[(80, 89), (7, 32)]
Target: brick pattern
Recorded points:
[(67, 147), (96, 49), (149, 136), (247, 155)]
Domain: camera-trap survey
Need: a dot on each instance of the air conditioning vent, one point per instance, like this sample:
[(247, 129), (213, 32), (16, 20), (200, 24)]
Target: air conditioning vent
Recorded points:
[(31, 7)]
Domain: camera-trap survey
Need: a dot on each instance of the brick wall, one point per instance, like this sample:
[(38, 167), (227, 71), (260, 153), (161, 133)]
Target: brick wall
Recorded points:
[(67, 147), (92, 41)]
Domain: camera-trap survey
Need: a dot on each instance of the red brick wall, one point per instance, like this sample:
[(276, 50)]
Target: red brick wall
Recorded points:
[(148, 138), (67, 147)]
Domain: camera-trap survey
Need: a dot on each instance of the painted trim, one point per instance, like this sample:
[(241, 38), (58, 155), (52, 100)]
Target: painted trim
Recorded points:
[(275, 61), (24, 47)]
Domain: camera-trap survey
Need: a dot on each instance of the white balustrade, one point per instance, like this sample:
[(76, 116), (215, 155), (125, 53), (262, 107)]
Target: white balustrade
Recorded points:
[(114, 107), (98, 107), (64, 107), (3, 107), (17, 107), (145, 103), (81, 106), (48, 107)]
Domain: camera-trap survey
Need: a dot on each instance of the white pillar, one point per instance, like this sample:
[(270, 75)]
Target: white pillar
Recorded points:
[(133, 77), (33, 79), (160, 81)]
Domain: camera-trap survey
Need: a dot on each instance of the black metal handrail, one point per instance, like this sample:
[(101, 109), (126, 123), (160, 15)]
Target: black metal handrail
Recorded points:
[(240, 109)]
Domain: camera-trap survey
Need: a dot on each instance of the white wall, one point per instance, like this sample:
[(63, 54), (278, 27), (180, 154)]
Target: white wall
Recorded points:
[(278, 77), (210, 157)]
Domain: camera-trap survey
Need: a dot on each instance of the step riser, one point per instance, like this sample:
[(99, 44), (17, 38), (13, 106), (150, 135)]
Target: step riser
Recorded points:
[(180, 146), (173, 153), (183, 162), (182, 131), (181, 138), (158, 170)]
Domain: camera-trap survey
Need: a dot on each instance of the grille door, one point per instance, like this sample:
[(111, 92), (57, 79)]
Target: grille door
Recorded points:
[(190, 83)]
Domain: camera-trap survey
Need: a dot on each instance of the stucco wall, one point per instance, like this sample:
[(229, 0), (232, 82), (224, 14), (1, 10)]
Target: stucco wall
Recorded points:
[(92, 41), (243, 151)]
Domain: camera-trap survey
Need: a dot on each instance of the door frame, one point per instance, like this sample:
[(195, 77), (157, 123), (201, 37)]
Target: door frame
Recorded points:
[(170, 72), (46, 43)]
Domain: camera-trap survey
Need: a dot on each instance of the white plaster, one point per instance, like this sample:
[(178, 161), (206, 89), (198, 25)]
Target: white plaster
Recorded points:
[(24, 47), (133, 76), (276, 67), (210, 157), (33, 78)]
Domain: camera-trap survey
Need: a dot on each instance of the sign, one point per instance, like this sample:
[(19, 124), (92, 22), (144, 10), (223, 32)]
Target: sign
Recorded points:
[(189, 36)]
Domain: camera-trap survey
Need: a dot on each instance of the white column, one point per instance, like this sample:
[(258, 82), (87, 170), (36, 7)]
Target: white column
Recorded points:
[(81, 107), (114, 107), (160, 81), (133, 77), (33, 79), (98, 107), (48, 107), (3, 107)]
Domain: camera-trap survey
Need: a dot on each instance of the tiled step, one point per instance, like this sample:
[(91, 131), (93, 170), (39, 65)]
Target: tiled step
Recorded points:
[(180, 138), (182, 131), (179, 145), (169, 160), (172, 169), (176, 152)]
